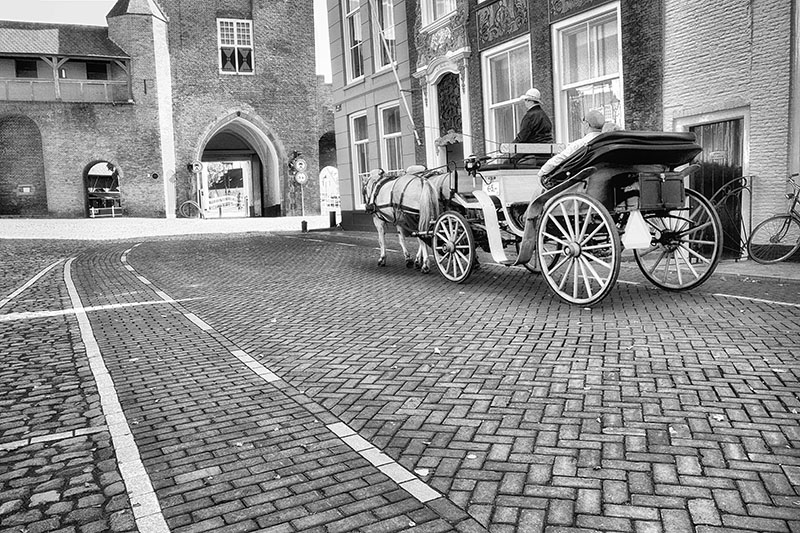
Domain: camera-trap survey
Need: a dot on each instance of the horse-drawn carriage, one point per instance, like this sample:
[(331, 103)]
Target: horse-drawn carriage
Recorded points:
[(624, 190)]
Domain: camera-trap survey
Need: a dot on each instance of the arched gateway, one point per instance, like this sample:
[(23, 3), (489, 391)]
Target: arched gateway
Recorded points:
[(240, 174)]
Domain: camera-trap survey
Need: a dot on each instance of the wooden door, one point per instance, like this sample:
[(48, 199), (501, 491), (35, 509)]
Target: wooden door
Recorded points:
[(720, 162)]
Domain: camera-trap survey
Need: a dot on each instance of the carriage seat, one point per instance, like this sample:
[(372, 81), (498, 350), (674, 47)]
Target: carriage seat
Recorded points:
[(416, 169), (629, 148)]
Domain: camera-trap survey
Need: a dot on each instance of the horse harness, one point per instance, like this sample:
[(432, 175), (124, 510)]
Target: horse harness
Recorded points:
[(400, 212)]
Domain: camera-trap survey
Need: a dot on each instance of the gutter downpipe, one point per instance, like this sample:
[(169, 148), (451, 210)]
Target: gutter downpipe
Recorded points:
[(794, 91)]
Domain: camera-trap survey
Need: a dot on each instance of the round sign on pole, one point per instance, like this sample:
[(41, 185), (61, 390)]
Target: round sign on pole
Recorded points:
[(301, 178), (300, 165), (197, 166)]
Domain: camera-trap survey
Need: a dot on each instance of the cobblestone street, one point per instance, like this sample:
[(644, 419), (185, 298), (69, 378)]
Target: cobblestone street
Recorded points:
[(286, 383)]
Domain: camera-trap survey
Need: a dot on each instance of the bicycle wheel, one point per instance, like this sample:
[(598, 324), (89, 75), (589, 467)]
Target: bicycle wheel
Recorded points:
[(774, 239), (189, 209)]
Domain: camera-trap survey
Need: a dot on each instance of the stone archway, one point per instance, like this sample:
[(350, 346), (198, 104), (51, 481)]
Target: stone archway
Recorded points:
[(23, 185), (241, 175)]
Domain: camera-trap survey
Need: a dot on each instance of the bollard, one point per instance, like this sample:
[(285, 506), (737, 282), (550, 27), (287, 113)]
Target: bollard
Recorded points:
[(304, 226), (332, 218)]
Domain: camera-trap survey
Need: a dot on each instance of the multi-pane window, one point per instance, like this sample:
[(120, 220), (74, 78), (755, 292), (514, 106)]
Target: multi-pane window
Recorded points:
[(386, 41), (359, 140), (391, 139), (437, 9), (508, 76), (590, 71), (353, 39), (235, 40), (26, 68)]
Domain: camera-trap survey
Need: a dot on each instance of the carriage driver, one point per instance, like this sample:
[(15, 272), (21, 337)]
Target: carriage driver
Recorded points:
[(535, 126)]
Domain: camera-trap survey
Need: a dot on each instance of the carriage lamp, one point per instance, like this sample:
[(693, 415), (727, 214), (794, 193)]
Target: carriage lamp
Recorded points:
[(472, 164)]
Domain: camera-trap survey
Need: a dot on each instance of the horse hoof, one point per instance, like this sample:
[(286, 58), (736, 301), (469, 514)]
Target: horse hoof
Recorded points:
[(425, 269), (417, 265), (381, 262), (409, 263)]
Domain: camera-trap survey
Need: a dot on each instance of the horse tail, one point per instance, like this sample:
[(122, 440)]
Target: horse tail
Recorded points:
[(428, 205)]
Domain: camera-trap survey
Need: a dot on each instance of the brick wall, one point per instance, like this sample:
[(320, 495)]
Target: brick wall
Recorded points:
[(73, 136), (731, 55), (279, 104), (22, 165)]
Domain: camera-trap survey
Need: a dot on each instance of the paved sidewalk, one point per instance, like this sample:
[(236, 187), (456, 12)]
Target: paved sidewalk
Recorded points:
[(98, 229)]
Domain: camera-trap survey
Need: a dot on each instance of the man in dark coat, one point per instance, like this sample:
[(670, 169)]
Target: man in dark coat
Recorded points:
[(535, 126)]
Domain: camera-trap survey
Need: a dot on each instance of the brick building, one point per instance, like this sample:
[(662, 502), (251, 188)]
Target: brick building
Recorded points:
[(654, 65), (95, 117)]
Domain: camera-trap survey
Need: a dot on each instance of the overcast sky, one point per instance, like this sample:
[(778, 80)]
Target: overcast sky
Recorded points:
[(93, 12)]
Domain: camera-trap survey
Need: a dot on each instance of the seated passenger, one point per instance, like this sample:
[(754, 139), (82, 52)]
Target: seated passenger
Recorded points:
[(594, 121)]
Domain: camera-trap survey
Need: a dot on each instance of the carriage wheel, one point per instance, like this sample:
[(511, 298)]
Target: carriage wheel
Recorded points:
[(686, 245), (578, 248), (453, 246)]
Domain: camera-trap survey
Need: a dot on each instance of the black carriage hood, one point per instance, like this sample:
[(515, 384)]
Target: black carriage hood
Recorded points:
[(671, 149)]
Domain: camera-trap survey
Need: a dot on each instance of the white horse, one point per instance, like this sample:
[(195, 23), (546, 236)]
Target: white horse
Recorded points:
[(410, 202)]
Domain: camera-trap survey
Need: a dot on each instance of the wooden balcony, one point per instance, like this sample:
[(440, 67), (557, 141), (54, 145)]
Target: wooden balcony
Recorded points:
[(64, 90)]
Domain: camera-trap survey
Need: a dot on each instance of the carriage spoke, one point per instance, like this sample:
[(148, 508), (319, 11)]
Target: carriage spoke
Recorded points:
[(570, 264), (695, 254), (684, 254), (556, 239), (569, 231), (594, 273), (559, 226), (657, 262), (587, 284), (575, 283)]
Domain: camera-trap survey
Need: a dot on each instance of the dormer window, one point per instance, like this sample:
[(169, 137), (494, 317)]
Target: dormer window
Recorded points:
[(235, 40)]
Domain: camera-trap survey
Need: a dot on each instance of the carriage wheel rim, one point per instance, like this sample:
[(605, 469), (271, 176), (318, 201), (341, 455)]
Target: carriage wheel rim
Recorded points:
[(587, 261), (453, 247), (686, 247)]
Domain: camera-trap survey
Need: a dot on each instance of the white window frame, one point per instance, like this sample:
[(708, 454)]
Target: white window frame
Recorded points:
[(241, 41), (390, 26), (431, 20), (492, 143), (358, 173), (352, 17), (385, 137), (560, 88)]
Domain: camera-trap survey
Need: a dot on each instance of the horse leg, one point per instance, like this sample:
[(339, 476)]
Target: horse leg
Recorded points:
[(381, 227), (406, 255), (423, 250)]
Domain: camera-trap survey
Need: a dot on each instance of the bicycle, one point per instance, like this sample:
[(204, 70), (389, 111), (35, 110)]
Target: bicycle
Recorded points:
[(778, 237), (732, 201), (190, 209)]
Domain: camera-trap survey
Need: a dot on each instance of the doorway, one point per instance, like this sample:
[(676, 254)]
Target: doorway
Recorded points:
[(450, 126), (227, 189), (721, 162)]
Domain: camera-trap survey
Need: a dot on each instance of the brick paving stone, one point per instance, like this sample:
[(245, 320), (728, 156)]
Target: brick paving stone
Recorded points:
[(564, 395)]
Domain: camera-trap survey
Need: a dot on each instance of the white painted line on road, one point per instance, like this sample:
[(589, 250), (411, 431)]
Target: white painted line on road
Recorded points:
[(6, 446), (146, 509), (30, 315), (394, 470), (759, 300), (198, 322), (27, 284)]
